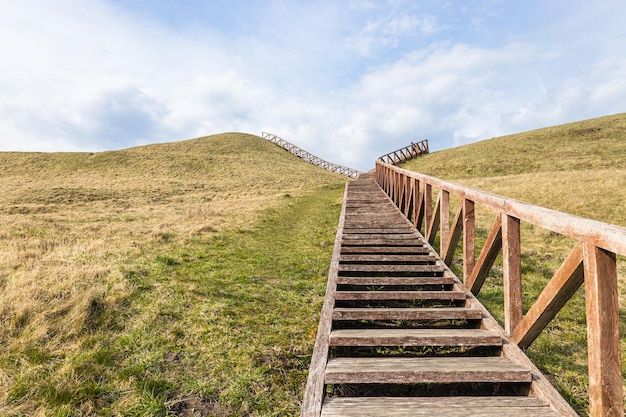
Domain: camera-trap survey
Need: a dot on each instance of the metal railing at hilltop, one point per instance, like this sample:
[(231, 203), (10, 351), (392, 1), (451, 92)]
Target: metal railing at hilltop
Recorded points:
[(405, 154), (309, 157)]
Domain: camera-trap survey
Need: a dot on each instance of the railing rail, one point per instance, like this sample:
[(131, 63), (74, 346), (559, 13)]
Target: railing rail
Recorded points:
[(405, 154), (309, 157), (592, 261)]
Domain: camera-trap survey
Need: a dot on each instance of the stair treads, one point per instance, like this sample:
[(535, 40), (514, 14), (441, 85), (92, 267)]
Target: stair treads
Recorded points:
[(397, 250), (387, 231), (386, 236), (400, 295), (376, 281), (366, 241), (386, 258), (436, 407), (424, 370), (440, 313), (414, 337), (383, 268)]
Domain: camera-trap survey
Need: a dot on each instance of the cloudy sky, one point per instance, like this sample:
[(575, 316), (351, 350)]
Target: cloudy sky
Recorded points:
[(347, 80)]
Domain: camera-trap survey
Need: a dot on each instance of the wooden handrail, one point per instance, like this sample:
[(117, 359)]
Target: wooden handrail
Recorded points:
[(405, 154), (592, 261), (309, 157)]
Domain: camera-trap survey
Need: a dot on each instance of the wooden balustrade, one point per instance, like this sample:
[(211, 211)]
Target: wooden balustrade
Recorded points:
[(309, 157), (405, 154), (592, 261)]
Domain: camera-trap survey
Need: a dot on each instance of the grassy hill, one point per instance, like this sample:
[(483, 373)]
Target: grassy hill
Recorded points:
[(577, 168), (162, 279)]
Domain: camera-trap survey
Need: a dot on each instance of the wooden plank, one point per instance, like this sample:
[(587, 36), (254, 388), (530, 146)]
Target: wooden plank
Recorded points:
[(566, 280), (398, 250), (410, 207), (382, 242), (388, 231), (469, 239), (428, 205), (501, 406), (370, 224), (487, 257), (419, 208), (386, 269), (400, 295), (386, 236), (388, 258), (379, 281), (512, 272), (439, 313), (424, 370), (605, 368), (444, 219), (414, 337), (433, 226), (455, 236)]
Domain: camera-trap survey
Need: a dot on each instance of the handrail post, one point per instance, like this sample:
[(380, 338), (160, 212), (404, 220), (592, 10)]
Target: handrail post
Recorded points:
[(444, 219), (605, 369), (512, 271), (428, 206), (469, 239)]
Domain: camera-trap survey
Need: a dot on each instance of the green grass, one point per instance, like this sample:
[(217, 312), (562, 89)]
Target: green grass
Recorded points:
[(226, 324), (577, 168), (163, 279)]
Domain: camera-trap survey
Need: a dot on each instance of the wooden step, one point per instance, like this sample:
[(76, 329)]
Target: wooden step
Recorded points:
[(396, 250), (414, 337), (388, 231), (371, 224), (382, 242), (376, 214), (400, 295), (420, 270), (377, 281), (387, 258), (424, 370), (441, 313), (505, 406), (386, 236)]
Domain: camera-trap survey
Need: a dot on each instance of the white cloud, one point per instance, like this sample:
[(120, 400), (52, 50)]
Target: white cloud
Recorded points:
[(347, 81)]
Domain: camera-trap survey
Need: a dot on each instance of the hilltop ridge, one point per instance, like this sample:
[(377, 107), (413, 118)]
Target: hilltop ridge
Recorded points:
[(577, 168)]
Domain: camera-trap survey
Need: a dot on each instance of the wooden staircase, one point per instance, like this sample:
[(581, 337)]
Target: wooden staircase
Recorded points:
[(401, 336)]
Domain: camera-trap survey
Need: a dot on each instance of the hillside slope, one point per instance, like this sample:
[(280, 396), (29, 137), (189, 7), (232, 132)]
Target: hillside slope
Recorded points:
[(161, 279), (579, 168)]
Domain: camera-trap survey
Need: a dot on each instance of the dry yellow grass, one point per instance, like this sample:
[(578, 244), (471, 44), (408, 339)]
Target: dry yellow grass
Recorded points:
[(73, 224)]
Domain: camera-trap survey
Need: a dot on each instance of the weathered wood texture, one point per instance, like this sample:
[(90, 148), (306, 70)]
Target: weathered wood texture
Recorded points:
[(436, 407), (592, 261), (422, 314), (424, 370), (414, 337), (605, 370), (389, 292)]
